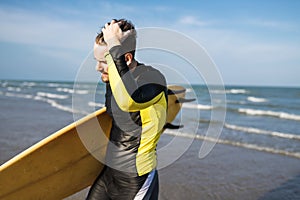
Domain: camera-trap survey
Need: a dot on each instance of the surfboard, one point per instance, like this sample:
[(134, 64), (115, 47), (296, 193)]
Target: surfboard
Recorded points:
[(61, 165)]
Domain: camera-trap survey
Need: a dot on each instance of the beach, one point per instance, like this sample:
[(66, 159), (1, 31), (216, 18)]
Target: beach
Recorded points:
[(228, 172)]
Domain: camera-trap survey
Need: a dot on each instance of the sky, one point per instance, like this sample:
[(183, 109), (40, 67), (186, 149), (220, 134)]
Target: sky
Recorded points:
[(251, 42)]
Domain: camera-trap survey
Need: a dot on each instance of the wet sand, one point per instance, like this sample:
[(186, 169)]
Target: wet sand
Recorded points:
[(226, 173)]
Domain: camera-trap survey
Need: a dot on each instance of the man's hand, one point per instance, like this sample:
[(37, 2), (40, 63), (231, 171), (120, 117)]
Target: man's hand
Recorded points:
[(112, 34)]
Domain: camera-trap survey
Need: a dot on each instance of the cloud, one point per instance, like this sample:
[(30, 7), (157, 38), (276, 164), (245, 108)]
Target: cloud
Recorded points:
[(229, 40), (160, 8), (243, 47), (279, 25), (244, 57), (25, 27), (191, 20), (60, 26), (234, 43)]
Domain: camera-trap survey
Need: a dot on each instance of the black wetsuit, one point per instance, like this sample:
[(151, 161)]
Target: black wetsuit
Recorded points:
[(137, 102)]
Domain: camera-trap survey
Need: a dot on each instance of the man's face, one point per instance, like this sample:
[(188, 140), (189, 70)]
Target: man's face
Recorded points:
[(101, 66)]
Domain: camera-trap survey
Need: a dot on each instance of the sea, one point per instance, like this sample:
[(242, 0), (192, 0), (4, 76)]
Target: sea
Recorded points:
[(259, 118), (252, 136)]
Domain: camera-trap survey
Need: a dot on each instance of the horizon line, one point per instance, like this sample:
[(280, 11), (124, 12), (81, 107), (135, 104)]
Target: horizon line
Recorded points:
[(200, 84)]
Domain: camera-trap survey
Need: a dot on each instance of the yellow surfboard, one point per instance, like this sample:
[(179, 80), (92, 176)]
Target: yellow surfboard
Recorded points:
[(60, 165)]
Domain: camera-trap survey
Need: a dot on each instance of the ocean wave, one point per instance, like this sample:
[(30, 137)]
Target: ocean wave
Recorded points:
[(209, 121), (53, 84), (231, 91), (49, 101), (94, 104), (57, 105), (235, 143), (25, 96), (72, 91), (237, 91), (218, 91), (270, 113), (197, 106), (15, 89), (4, 84), (189, 90), (262, 132), (27, 84), (256, 99), (236, 102), (52, 96)]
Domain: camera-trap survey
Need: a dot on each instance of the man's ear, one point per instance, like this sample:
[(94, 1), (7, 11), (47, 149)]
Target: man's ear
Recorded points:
[(128, 58)]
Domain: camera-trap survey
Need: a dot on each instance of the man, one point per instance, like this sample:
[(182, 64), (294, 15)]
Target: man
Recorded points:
[(136, 99)]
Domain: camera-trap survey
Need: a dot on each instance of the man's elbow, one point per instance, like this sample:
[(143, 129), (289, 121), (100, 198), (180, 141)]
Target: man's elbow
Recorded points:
[(127, 105)]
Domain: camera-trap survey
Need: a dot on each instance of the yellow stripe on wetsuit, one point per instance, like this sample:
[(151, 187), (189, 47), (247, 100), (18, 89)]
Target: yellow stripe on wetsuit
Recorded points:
[(153, 115)]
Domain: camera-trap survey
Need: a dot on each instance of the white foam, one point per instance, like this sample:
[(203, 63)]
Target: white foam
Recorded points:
[(15, 89), (94, 104), (53, 84), (52, 96), (237, 91), (28, 84), (231, 91), (81, 91), (49, 101), (4, 84), (217, 91), (25, 96), (56, 105), (188, 90), (270, 113), (237, 144), (71, 91), (197, 106), (256, 100), (263, 132)]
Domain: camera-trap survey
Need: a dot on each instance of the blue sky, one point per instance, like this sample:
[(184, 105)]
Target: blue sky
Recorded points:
[(251, 42)]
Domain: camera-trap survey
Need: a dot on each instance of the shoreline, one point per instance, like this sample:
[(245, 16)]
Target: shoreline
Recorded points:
[(228, 172)]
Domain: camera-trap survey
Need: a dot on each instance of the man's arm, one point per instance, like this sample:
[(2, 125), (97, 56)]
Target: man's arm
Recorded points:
[(130, 95)]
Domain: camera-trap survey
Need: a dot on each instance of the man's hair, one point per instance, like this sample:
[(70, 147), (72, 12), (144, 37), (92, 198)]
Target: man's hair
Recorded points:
[(129, 44)]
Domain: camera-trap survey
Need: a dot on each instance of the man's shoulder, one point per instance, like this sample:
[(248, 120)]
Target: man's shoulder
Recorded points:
[(146, 73), (145, 69)]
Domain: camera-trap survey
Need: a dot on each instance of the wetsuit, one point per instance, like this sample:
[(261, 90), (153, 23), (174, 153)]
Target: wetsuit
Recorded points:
[(137, 102)]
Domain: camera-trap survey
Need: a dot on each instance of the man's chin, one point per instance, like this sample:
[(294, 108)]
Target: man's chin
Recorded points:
[(104, 79)]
